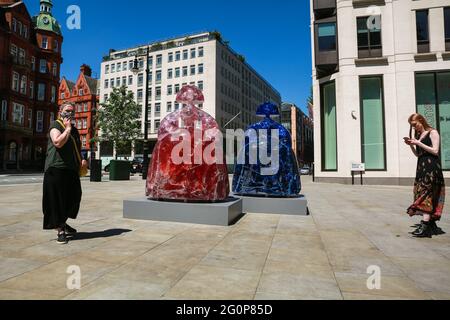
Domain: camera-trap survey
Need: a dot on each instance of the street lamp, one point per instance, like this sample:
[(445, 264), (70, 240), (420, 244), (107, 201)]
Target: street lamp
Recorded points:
[(136, 70)]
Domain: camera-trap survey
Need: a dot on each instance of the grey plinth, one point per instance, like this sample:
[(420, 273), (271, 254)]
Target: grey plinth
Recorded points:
[(220, 213), (289, 206)]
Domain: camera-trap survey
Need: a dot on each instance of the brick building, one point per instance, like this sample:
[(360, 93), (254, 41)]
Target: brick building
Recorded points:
[(30, 59), (83, 94)]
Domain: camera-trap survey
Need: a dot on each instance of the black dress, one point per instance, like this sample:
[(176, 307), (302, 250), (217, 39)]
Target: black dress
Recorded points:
[(62, 188), (429, 186)]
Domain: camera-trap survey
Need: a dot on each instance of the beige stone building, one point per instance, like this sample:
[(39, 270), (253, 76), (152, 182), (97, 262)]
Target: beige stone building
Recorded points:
[(374, 64)]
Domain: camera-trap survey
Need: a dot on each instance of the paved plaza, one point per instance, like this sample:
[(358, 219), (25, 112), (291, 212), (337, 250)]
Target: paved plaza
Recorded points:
[(322, 256)]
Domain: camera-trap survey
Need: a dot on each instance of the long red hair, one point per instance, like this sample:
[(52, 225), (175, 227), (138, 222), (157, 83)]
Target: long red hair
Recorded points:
[(416, 117)]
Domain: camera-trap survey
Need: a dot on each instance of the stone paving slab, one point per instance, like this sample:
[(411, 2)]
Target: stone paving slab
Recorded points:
[(263, 256)]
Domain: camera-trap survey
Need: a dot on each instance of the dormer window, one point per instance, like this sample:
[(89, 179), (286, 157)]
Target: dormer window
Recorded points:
[(81, 92)]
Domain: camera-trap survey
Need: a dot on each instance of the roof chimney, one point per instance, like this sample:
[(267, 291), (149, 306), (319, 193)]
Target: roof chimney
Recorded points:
[(86, 70)]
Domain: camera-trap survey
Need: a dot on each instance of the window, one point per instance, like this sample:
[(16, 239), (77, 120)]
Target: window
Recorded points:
[(200, 68), (169, 90), (105, 97), (118, 82), (177, 88), (15, 82), (85, 123), (141, 63), (44, 43), (185, 55), (150, 63), (158, 76), (140, 79), (185, 71), (112, 83), (43, 66), (31, 89), (53, 94), (55, 45), (200, 85), (433, 101), (130, 80), (124, 66), (170, 57), (157, 124), (369, 40), (158, 60), (106, 69), (169, 106), (81, 92), (18, 113), (328, 127), (86, 107), (4, 114), (372, 123), (193, 53), (192, 70), (55, 69), (177, 56), (131, 64), (41, 92), (327, 36), (33, 63), (150, 77), (200, 52), (140, 94), (40, 121), (423, 41), (177, 72), (447, 28), (158, 93), (124, 80), (113, 68), (119, 67), (157, 109), (170, 74), (106, 84), (20, 27), (30, 118)]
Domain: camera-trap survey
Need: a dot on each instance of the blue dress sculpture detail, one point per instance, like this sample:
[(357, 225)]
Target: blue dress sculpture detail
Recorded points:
[(249, 176)]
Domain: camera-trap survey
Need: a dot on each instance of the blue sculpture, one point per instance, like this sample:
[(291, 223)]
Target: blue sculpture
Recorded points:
[(254, 175)]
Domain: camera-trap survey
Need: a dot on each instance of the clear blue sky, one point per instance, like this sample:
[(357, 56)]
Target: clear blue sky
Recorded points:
[(274, 36)]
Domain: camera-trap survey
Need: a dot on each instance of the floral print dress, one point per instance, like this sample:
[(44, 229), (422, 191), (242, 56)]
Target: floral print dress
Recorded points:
[(429, 186)]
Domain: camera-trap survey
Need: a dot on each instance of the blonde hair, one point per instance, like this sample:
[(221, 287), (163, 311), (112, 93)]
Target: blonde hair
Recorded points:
[(421, 119)]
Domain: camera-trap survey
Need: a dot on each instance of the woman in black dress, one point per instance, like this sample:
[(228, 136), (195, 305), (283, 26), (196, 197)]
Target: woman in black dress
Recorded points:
[(62, 188), (429, 186)]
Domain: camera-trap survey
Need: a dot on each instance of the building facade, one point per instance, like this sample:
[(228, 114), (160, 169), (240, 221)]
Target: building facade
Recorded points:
[(30, 59), (376, 62), (84, 95), (301, 128), (231, 87)]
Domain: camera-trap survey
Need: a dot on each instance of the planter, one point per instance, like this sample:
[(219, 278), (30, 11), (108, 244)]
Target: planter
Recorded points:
[(119, 170)]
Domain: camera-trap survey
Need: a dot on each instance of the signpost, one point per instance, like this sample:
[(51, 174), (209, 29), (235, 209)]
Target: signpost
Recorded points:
[(358, 168)]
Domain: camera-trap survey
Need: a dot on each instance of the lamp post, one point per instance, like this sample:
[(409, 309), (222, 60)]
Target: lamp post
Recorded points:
[(136, 70)]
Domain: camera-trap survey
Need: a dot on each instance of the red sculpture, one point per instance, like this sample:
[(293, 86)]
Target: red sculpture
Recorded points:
[(188, 162)]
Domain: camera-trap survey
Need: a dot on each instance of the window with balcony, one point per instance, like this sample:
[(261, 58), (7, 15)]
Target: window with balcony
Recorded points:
[(369, 37), (423, 39), (327, 36)]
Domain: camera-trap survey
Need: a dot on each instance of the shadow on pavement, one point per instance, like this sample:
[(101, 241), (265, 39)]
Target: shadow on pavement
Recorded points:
[(98, 234)]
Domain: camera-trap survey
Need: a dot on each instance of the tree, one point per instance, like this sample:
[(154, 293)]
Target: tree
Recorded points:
[(118, 119)]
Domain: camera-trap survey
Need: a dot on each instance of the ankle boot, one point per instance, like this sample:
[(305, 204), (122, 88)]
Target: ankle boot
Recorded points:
[(424, 231)]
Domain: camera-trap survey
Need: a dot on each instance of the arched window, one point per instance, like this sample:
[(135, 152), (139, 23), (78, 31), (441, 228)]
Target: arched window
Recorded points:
[(13, 151)]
